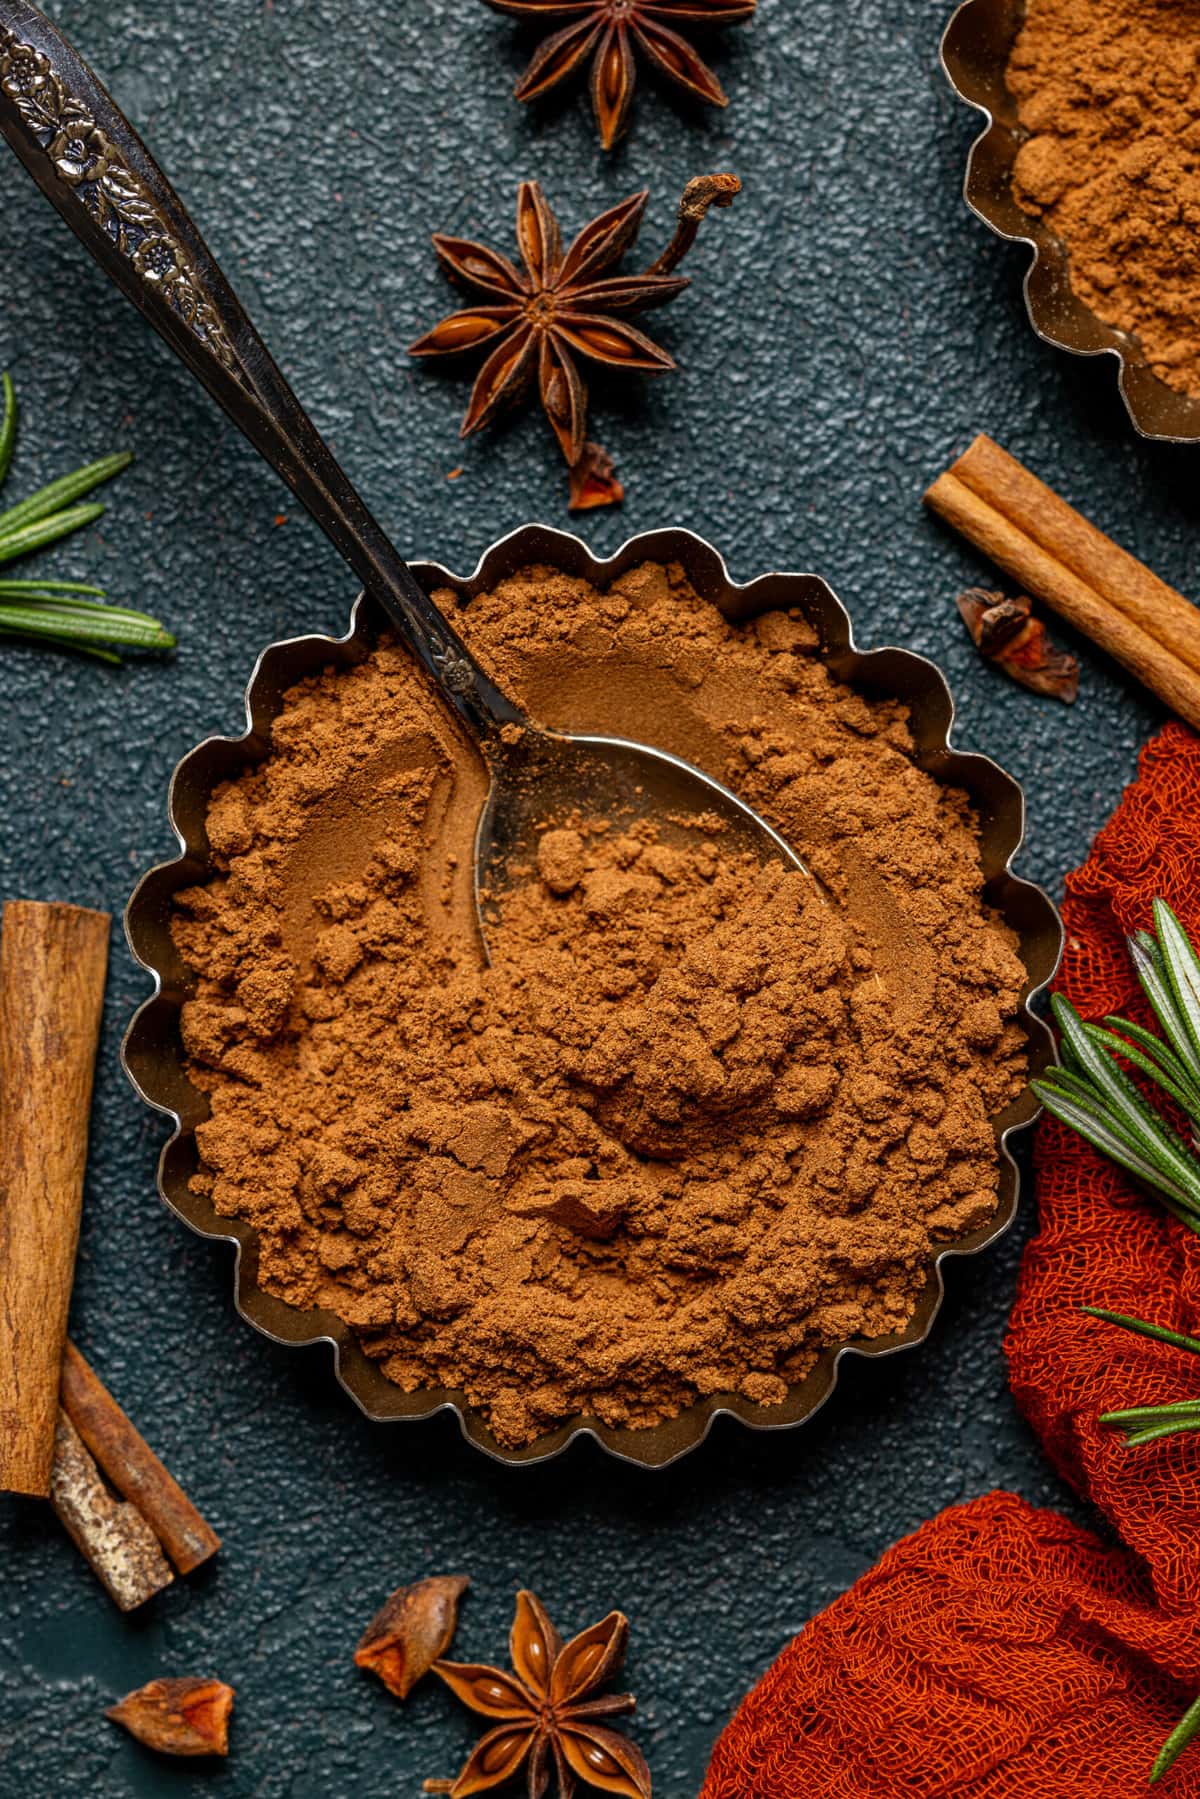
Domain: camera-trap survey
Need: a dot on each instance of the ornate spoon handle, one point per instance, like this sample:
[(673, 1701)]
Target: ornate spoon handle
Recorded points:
[(91, 164)]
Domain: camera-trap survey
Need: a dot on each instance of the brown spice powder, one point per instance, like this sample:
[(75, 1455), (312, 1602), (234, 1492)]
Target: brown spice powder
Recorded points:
[(693, 1123), (1110, 92)]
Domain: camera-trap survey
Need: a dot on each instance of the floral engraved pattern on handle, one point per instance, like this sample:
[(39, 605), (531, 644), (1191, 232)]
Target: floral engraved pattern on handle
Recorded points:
[(455, 670), (86, 159)]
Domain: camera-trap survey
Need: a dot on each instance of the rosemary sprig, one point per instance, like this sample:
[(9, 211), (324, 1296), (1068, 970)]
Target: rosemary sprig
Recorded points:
[(66, 614), (1148, 1424), (1092, 1093)]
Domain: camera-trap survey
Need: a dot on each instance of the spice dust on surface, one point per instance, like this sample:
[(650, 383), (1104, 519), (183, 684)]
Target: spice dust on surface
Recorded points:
[(1108, 92), (697, 1120)]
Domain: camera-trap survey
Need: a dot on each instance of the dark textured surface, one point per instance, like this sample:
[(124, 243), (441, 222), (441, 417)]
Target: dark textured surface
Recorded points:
[(849, 330)]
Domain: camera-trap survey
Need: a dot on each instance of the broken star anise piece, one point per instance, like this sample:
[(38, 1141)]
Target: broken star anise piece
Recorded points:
[(594, 480), (559, 306), (410, 1632), (548, 1719), (608, 32), (187, 1716)]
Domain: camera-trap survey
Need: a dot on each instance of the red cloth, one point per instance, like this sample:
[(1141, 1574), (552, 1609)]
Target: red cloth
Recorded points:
[(1002, 1652), (1100, 1240)]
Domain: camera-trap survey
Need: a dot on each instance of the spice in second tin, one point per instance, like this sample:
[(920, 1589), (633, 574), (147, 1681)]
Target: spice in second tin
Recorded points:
[(1107, 91)]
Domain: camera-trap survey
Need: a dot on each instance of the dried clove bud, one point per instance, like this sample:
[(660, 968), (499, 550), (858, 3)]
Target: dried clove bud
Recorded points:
[(1005, 632), (702, 192), (178, 1717), (412, 1631)]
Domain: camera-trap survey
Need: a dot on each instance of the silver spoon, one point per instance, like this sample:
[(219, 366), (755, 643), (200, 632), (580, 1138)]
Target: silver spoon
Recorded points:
[(90, 163)]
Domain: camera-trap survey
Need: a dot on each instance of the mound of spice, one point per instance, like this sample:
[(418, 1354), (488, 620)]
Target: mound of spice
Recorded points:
[(1108, 92), (696, 1121)]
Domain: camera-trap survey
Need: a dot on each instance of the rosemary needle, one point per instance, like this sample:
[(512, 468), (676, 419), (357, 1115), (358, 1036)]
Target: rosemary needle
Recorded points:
[(95, 628), (64, 643), (68, 615), (66, 491), (1160, 1332), (8, 425), (1184, 1732), (45, 588), (40, 532)]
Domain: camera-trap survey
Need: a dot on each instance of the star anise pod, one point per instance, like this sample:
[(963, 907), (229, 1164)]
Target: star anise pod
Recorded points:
[(609, 31), (559, 306), (547, 1713)]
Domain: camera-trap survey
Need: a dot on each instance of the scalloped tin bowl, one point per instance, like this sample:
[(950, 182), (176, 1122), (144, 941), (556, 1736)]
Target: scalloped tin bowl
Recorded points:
[(975, 50), (153, 1053)]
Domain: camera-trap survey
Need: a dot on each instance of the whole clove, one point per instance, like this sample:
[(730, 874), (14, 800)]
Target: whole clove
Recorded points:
[(187, 1716), (413, 1630), (1005, 632)]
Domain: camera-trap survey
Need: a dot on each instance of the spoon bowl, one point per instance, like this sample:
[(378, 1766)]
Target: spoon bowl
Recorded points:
[(548, 778)]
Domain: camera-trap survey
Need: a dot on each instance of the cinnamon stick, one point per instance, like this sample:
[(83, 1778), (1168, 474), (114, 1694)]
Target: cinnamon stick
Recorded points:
[(132, 1466), (118, 1544), (1060, 558), (53, 961)]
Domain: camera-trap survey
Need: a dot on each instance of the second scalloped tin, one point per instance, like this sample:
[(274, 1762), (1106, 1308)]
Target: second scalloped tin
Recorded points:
[(975, 52), (153, 1053)]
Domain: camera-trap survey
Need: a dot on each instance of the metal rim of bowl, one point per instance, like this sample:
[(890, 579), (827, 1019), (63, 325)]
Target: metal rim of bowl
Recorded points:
[(152, 1052), (975, 51)]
